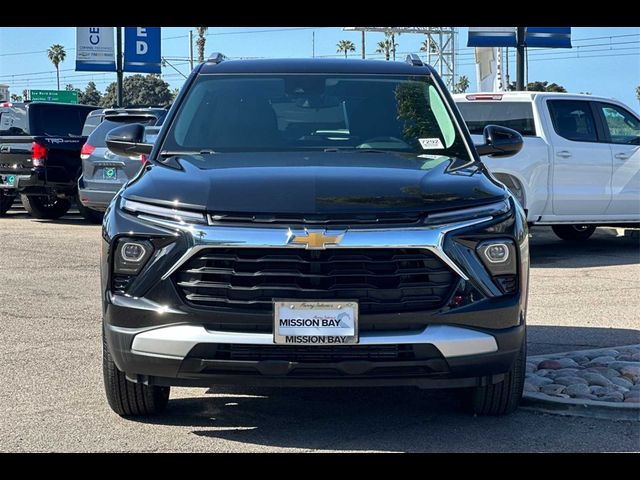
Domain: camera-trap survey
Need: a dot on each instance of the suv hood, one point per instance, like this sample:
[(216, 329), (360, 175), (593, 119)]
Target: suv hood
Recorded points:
[(316, 183)]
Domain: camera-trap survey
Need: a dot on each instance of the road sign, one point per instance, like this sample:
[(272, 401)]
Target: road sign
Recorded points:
[(59, 96)]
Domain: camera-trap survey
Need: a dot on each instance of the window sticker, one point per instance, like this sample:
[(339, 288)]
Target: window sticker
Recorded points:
[(430, 143)]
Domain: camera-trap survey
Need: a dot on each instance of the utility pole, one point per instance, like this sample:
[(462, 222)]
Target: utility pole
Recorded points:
[(507, 68), (363, 57), (191, 49), (313, 44), (119, 64), (520, 59)]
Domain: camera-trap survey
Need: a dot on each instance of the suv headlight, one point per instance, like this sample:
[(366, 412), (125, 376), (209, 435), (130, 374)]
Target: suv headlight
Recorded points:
[(165, 213)]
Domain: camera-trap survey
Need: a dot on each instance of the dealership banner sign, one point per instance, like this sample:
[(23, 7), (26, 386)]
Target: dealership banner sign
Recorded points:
[(547, 37), (142, 49), (95, 50)]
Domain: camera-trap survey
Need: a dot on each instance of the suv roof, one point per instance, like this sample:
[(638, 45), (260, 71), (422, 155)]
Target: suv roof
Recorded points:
[(315, 65)]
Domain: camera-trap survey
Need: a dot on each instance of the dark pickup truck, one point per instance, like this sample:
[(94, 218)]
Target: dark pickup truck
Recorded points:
[(40, 146)]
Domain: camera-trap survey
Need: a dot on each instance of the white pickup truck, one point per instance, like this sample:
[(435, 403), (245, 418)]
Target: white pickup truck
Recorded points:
[(580, 164)]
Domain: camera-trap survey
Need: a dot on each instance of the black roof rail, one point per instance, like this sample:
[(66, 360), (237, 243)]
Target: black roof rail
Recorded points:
[(413, 59), (216, 57)]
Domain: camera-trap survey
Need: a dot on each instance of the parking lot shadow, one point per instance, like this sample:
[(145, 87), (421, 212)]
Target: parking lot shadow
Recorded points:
[(603, 249)]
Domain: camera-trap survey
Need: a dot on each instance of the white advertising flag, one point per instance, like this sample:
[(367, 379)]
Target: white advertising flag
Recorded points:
[(95, 49)]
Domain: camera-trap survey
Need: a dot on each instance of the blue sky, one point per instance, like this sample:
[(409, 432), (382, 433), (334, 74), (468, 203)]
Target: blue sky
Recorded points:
[(606, 63)]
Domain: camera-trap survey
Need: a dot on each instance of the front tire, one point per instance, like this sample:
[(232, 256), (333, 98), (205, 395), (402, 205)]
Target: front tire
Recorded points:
[(574, 233), (45, 207), (6, 201), (129, 399), (502, 398)]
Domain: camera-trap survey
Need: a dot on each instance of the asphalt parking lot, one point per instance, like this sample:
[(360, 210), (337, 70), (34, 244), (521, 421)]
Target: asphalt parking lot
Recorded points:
[(52, 399)]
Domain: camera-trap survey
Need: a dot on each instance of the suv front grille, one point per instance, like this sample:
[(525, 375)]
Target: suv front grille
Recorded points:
[(296, 353), (381, 280)]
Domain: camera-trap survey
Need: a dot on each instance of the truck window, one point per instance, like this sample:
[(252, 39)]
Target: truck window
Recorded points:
[(515, 115), (573, 120), (624, 128), (13, 121), (54, 120)]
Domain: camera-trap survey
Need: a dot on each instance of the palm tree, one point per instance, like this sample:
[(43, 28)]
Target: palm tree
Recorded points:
[(57, 55), (385, 46), (427, 46), (346, 46), (202, 39)]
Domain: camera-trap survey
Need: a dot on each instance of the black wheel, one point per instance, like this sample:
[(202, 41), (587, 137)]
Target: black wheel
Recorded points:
[(129, 399), (5, 202), (574, 233), (45, 207), (89, 214), (502, 398)]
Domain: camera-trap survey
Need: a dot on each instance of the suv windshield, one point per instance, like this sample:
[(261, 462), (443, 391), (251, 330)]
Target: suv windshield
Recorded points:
[(293, 112)]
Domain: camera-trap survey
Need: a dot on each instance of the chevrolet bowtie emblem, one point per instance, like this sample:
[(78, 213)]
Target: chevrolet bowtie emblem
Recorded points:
[(315, 240)]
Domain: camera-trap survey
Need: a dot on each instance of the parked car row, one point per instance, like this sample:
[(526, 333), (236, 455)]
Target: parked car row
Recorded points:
[(53, 153)]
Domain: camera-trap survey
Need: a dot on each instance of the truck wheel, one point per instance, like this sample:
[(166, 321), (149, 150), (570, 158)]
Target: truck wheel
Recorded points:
[(5, 202), (502, 398), (129, 399), (45, 207), (574, 233), (89, 214)]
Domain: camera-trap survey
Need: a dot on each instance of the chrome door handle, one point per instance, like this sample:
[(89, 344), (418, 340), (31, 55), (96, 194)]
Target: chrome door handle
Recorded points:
[(622, 156), (563, 154)]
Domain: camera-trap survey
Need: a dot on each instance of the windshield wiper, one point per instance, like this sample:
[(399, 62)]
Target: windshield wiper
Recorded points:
[(168, 153), (361, 150)]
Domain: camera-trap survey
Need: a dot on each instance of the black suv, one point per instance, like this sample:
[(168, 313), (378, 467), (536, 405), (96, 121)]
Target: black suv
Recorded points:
[(40, 146), (314, 223)]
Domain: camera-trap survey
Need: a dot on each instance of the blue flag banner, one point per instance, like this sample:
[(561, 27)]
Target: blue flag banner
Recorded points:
[(95, 49), (142, 49), (492, 37), (550, 37)]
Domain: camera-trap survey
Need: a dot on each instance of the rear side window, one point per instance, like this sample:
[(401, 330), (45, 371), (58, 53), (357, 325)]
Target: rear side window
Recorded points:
[(56, 120), (573, 120), (97, 137), (13, 121), (90, 124), (624, 128), (515, 115)]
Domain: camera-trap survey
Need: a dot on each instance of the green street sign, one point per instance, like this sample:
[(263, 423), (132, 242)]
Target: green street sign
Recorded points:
[(60, 96)]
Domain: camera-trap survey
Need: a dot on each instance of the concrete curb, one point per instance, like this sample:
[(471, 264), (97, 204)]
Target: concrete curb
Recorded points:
[(579, 407)]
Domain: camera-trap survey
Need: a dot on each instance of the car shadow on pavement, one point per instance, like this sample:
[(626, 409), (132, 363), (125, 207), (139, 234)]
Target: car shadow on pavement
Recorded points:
[(603, 249)]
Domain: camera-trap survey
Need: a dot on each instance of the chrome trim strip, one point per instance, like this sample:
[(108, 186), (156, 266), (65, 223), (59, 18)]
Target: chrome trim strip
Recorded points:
[(176, 341), (429, 237), (141, 304)]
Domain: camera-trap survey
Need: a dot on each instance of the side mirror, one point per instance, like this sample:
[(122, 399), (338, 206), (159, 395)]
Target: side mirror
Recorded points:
[(500, 142), (128, 141)]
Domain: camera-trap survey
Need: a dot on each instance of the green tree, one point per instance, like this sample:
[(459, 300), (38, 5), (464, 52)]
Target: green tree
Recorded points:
[(16, 98), (638, 92), (540, 87), (57, 54), (139, 91), (346, 46), (462, 85), (90, 96), (200, 42), (387, 46), (426, 46)]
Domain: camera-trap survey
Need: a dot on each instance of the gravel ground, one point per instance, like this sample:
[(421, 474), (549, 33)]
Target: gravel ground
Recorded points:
[(52, 398)]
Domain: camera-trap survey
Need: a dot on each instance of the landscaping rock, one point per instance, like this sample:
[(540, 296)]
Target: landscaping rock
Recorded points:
[(585, 396), (570, 381), (602, 353), (577, 389), (621, 381), (598, 390), (595, 379), (631, 372), (529, 387), (552, 389), (612, 397), (608, 372), (558, 363), (538, 381), (601, 361)]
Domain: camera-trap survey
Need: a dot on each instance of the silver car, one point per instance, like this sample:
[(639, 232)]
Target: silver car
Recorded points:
[(103, 172)]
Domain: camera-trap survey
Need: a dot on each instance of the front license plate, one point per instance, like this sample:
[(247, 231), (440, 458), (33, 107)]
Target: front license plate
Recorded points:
[(110, 174), (8, 180), (315, 322)]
